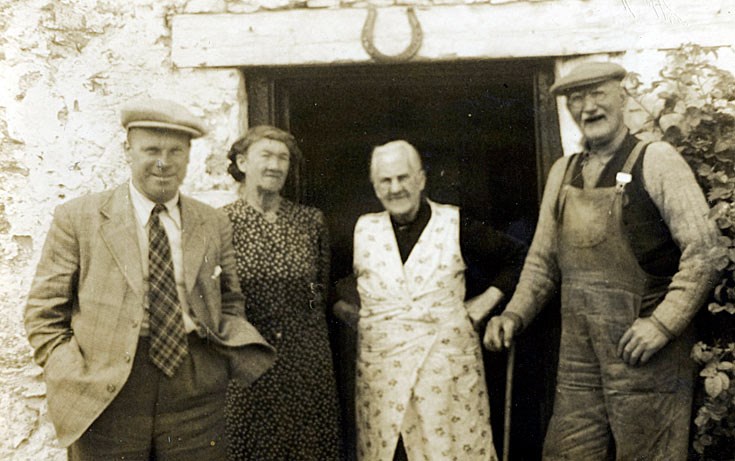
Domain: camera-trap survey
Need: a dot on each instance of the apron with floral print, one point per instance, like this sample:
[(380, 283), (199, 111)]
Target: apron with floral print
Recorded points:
[(419, 367)]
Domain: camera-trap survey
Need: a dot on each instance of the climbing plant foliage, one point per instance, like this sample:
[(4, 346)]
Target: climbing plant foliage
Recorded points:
[(692, 106)]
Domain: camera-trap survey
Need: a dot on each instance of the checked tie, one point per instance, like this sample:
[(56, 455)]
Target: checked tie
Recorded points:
[(168, 338)]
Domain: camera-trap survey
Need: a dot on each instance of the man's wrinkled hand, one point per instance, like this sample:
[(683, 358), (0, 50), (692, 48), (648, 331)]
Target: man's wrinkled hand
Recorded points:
[(479, 307), (643, 339), (500, 332)]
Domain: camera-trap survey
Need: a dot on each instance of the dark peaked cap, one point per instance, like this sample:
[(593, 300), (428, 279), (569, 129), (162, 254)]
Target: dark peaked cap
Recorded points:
[(588, 73), (162, 114)]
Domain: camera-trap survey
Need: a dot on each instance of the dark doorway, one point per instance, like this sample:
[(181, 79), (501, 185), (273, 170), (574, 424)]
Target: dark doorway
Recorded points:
[(475, 135), (477, 127)]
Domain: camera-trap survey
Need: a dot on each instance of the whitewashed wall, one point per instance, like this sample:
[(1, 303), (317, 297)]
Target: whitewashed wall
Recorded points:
[(66, 66)]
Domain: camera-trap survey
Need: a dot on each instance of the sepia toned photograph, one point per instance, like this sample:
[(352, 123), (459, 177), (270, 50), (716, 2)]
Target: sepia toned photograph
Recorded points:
[(367, 230)]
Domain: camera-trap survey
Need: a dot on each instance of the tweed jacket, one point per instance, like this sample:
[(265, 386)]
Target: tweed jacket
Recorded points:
[(85, 306)]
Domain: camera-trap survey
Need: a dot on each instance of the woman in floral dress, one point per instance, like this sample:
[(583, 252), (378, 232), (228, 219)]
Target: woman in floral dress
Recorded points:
[(282, 252)]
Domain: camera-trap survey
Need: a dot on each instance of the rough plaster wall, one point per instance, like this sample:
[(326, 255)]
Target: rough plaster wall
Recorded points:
[(66, 67)]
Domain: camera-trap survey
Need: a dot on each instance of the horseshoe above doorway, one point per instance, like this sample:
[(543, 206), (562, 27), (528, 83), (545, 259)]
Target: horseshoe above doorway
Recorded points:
[(417, 37)]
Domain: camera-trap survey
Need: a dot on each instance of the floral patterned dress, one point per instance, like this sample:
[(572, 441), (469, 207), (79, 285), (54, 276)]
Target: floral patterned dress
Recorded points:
[(291, 412)]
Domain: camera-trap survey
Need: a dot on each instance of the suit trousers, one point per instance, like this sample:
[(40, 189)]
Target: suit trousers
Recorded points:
[(159, 418)]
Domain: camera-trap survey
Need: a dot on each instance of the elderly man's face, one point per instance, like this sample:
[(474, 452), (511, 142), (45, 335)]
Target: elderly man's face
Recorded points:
[(158, 161), (598, 110), (398, 184)]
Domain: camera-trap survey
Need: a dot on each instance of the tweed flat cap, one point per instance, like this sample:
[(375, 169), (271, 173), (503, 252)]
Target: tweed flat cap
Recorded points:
[(162, 114), (588, 73)]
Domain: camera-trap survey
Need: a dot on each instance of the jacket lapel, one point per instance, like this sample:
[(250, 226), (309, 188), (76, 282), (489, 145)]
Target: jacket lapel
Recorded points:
[(119, 233), (193, 241)]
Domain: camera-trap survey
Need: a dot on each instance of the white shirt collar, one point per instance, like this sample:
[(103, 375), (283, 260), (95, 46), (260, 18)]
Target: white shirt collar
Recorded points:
[(143, 206)]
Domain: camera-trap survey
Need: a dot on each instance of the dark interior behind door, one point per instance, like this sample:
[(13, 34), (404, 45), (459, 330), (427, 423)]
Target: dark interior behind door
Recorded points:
[(477, 128)]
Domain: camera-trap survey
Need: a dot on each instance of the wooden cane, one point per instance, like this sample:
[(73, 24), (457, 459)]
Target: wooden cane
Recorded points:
[(508, 400)]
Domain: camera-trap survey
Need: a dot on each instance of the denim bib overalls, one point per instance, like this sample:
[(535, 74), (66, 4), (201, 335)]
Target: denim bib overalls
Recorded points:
[(605, 408)]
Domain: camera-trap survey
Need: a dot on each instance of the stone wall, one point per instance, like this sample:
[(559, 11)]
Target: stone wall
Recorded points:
[(67, 66)]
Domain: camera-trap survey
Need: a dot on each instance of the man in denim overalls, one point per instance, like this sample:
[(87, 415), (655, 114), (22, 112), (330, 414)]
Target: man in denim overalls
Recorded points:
[(623, 230)]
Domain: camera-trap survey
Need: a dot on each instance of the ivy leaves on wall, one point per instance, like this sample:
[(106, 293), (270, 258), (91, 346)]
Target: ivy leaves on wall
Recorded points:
[(692, 106)]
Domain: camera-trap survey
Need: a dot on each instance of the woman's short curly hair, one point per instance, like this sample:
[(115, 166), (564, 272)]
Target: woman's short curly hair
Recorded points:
[(255, 134)]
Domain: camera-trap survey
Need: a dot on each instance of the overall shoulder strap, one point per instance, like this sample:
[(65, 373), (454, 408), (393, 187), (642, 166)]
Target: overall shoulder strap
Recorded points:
[(568, 176), (633, 157)]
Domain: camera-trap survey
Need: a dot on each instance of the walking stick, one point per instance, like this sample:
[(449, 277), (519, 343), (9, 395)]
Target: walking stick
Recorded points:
[(508, 399)]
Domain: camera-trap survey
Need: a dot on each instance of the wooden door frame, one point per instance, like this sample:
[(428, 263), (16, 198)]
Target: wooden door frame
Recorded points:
[(268, 103)]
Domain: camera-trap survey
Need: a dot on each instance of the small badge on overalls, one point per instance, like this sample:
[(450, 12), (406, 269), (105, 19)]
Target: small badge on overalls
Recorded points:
[(621, 179)]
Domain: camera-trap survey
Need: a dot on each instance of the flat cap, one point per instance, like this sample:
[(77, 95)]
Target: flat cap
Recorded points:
[(588, 73), (162, 114)]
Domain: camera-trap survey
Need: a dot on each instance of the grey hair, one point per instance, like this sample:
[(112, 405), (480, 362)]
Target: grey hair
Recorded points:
[(399, 145)]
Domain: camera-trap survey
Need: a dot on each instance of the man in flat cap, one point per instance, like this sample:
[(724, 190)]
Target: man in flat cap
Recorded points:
[(136, 313), (623, 230)]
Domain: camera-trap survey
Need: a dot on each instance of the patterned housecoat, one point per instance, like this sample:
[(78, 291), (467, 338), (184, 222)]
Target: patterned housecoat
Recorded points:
[(292, 412), (419, 367)]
